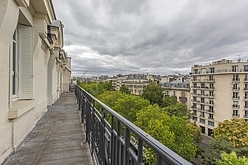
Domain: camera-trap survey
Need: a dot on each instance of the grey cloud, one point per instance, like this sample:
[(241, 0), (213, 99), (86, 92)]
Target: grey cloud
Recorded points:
[(153, 36)]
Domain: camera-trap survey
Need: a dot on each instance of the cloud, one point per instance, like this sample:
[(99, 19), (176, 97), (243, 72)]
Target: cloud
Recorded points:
[(155, 36)]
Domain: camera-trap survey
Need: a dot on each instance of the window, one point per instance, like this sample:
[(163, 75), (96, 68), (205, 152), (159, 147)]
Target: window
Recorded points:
[(246, 95), (202, 121), (194, 91), (235, 95), (210, 123), (211, 101), (22, 63), (202, 114), (202, 100), (211, 70), (194, 85), (211, 109), (194, 112), (246, 114), (235, 77), (234, 68), (194, 78), (194, 118), (195, 71), (211, 77), (194, 98), (202, 107), (202, 92), (202, 85), (246, 104), (203, 129), (246, 76), (246, 68), (246, 86), (211, 93), (210, 132), (235, 112), (211, 85), (14, 66), (211, 116), (235, 86), (235, 104)]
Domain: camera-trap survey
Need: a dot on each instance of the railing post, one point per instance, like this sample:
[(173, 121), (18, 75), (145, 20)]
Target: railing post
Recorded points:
[(127, 145), (87, 118), (113, 142), (102, 138)]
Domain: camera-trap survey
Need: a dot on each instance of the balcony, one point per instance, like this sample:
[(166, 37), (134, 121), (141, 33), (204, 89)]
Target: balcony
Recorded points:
[(235, 115), (80, 134)]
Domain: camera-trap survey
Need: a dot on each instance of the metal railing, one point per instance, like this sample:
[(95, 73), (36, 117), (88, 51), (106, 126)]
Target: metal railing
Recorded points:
[(114, 140)]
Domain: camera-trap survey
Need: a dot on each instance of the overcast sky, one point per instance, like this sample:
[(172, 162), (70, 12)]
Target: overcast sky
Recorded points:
[(151, 36)]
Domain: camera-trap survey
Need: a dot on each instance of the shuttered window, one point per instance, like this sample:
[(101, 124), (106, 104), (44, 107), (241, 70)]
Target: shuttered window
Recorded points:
[(25, 51)]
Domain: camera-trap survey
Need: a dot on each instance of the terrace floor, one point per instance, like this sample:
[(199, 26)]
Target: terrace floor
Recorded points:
[(57, 139)]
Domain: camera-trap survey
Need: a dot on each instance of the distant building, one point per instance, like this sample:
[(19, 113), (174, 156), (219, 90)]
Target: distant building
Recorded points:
[(179, 88), (219, 92)]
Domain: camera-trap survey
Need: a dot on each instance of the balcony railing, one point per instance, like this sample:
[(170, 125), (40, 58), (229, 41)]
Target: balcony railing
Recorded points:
[(111, 136)]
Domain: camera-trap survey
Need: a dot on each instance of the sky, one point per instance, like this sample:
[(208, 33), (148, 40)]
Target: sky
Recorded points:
[(110, 37)]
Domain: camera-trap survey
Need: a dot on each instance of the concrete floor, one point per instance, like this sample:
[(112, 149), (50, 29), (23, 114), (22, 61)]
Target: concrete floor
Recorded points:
[(58, 138)]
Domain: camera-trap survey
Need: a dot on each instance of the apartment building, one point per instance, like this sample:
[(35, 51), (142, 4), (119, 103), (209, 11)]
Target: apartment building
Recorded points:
[(219, 91), (179, 88), (34, 68)]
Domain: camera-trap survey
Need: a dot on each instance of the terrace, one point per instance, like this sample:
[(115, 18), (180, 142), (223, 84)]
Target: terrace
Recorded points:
[(80, 129)]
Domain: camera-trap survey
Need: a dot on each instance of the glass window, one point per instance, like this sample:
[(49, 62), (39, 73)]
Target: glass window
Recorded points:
[(202, 121), (211, 70), (235, 104), (211, 123), (234, 68), (245, 68), (235, 77), (235, 95), (14, 66)]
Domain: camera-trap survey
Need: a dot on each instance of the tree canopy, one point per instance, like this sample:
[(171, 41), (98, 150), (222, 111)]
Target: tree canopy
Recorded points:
[(230, 135), (153, 93), (174, 132)]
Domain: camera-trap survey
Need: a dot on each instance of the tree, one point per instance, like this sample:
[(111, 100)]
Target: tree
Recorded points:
[(153, 93), (168, 101), (124, 89), (177, 109), (232, 159), (174, 132), (236, 130), (126, 105), (227, 137)]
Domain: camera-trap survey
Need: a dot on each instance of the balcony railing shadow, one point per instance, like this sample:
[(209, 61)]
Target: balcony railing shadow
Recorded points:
[(114, 140)]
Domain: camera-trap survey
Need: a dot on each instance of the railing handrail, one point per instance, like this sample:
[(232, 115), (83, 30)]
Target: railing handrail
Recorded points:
[(164, 151)]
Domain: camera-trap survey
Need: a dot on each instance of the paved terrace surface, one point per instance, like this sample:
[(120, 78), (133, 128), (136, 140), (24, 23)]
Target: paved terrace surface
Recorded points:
[(57, 139)]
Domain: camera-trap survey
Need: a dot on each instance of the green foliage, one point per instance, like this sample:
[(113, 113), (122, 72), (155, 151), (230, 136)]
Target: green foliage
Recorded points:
[(232, 159), (217, 146), (153, 93), (168, 101), (236, 130), (177, 109), (124, 89), (125, 104), (228, 136), (97, 88), (174, 132)]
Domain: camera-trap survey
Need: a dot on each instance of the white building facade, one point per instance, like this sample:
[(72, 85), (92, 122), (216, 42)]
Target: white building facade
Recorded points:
[(34, 68)]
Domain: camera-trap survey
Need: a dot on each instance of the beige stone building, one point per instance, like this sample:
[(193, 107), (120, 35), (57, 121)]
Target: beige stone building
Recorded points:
[(180, 89), (34, 68), (219, 92)]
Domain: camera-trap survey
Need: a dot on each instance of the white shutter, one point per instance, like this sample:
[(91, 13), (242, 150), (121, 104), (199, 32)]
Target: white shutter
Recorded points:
[(25, 44)]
